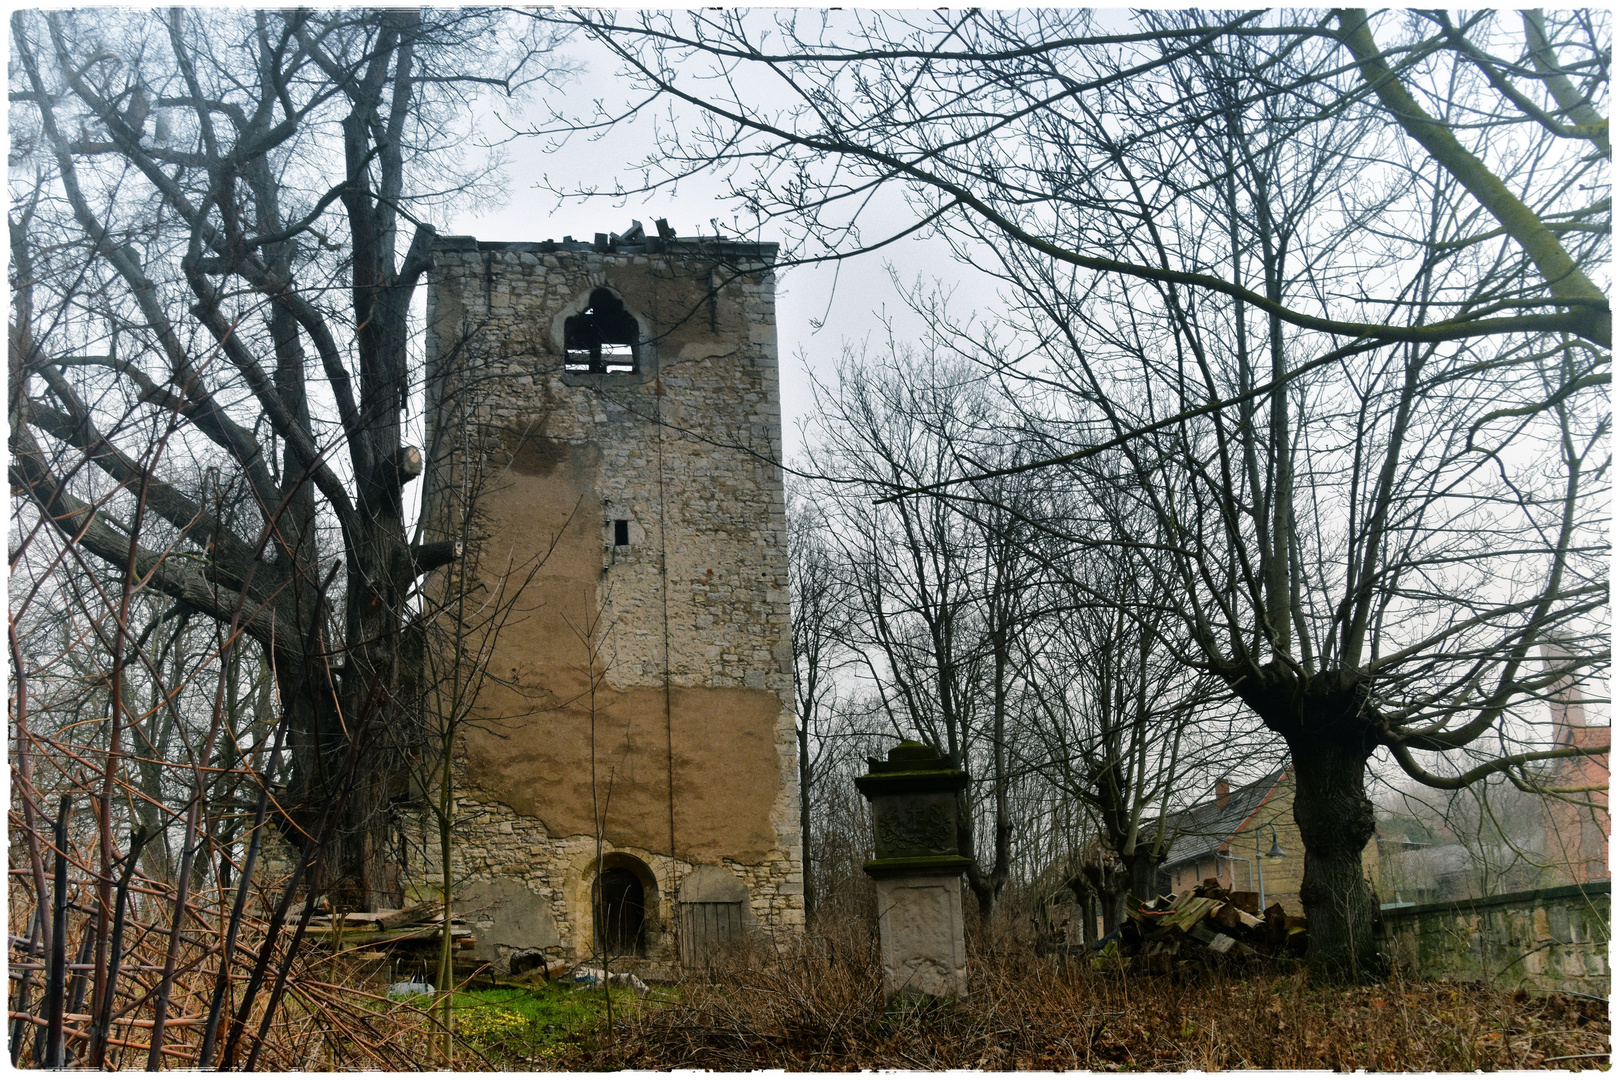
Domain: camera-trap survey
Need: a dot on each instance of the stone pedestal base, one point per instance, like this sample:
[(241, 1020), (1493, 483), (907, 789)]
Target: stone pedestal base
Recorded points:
[(920, 928)]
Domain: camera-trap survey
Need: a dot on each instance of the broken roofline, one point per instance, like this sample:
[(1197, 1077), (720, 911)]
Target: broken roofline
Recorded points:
[(716, 247)]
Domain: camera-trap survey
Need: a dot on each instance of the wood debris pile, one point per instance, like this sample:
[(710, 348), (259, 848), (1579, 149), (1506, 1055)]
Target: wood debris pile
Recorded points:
[(1209, 923), (414, 931)]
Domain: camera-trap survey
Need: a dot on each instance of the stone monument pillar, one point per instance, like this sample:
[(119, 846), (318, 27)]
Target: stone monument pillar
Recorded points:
[(917, 870)]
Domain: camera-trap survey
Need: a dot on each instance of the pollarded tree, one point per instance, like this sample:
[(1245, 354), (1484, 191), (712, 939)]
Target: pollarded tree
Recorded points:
[(211, 279), (1372, 540), (1332, 286)]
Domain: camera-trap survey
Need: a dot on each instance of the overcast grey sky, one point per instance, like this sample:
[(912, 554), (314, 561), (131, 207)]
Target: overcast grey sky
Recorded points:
[(850, 299)]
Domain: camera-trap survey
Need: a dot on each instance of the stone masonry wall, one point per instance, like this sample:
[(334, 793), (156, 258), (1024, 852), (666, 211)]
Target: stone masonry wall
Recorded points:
[(1547, 939), (663, 665)]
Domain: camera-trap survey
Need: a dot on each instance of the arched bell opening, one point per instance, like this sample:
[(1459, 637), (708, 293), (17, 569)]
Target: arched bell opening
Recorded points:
[(602, 339)]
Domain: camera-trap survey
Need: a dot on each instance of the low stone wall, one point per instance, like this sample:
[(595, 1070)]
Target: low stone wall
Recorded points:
[(1545, 939)]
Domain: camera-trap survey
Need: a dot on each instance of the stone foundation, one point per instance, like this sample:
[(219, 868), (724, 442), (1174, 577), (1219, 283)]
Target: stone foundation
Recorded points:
[(497, 848)]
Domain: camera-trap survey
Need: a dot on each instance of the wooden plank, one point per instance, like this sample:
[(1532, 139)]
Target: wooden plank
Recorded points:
[(428, 911), (395, 937), (365, 919), (1193, 910)]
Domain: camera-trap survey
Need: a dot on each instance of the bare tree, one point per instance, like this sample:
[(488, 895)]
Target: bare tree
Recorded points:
[(938, 599), (962, 109), (208, 259), (1328, 285), (820, 628), (1121, 730), (1370, 539), (148, 867)]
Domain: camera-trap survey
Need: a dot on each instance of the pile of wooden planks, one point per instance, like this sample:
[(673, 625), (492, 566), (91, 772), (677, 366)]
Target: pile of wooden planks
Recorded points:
[(408, 927), (1208, 923)]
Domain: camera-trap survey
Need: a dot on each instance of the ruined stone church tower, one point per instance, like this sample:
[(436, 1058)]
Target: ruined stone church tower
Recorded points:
[(620, 399)]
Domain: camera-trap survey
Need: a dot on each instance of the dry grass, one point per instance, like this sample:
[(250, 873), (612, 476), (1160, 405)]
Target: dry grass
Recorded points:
[(332, 1015), (821, 1007)]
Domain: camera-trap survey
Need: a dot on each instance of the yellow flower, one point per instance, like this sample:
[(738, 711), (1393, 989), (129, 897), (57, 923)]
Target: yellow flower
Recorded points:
[(491, 1024)]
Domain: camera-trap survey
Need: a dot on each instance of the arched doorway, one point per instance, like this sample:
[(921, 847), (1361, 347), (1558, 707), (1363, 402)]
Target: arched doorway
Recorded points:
[(619, 900)]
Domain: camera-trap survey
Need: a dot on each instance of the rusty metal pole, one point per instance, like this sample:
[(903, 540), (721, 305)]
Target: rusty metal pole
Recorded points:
[(56, 994)]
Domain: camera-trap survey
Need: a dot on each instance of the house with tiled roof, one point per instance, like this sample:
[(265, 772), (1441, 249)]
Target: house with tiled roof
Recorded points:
[(1244, 837)]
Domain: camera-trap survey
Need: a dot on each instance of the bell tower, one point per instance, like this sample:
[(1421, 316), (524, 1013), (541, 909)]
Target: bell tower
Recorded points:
[(620, 400)]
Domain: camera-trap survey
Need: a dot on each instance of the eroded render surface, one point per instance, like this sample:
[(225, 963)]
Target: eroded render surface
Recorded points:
[(644, 687)]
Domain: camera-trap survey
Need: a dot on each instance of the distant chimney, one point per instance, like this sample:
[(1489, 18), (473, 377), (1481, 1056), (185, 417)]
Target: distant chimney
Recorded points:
[(1223, 793), (1565, 698)]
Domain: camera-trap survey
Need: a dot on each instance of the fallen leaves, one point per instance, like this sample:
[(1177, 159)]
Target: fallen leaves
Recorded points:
[(1028, 1012)]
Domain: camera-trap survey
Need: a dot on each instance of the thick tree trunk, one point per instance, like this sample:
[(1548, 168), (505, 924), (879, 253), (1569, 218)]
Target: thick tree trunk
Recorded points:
[(1335, 819), (336, 716), (1329, 743), (1144, 874), (982, 891), (1086, 911), (366, 871), (316, 750), (977, 880), (1113, 905), (1109, 884)]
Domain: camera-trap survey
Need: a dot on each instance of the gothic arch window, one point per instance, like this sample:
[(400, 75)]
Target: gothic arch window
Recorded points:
[(603, 339)]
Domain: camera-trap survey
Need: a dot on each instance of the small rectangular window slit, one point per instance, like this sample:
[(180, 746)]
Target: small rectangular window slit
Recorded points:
[(621, 533)]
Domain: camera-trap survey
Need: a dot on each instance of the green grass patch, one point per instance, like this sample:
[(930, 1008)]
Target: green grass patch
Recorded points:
[(532, 1026)]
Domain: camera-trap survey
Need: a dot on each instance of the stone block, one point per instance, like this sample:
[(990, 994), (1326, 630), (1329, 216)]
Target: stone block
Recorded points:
[(920, 924), (712, 885)]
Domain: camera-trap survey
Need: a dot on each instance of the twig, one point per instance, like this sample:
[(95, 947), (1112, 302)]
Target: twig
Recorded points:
[(55, 997)]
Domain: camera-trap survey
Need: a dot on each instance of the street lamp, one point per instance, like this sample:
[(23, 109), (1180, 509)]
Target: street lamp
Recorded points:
[(1276, 852)]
